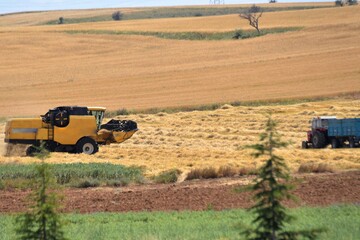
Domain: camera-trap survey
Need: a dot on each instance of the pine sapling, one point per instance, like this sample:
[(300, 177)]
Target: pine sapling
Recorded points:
[(271, 187), (41, 221)]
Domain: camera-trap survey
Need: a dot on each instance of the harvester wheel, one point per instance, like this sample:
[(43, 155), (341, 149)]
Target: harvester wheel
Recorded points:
[(304, 145), (31, 151), (318, 140), (87, 146)]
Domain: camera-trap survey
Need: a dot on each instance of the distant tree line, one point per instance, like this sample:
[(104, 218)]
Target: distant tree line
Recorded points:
[(341, 3)]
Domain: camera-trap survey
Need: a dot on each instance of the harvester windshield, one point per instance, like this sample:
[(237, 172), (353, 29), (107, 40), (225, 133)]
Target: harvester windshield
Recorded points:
[(98, 112)]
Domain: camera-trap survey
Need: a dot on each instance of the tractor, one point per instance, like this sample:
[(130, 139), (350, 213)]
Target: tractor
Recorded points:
[(336, 132), (70, 129)]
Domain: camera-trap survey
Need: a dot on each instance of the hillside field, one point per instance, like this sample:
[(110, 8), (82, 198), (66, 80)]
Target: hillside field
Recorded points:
[(43, 66)]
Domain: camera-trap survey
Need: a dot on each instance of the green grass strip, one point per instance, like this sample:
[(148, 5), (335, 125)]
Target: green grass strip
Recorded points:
[(68, 173), (342, 223), (240, 34)]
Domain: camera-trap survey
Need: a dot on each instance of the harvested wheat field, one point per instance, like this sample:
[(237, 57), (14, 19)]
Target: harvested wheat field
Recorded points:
[(48, 67), (217, 138)]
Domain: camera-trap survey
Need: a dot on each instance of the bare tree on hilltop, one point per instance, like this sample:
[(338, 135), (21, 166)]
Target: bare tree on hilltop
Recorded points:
[(252, 15)]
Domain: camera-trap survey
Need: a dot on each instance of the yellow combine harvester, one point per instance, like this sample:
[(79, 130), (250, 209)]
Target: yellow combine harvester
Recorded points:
[(68, 129)]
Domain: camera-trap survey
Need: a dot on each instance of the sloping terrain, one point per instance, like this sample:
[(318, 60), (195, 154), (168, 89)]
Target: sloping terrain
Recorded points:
[(42, 67), (42, 17)]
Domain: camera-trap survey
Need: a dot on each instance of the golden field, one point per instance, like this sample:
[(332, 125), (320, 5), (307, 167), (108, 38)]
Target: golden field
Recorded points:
[(217, 138), (42, 67)]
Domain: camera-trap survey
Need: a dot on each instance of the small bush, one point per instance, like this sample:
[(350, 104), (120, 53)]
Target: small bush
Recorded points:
[(117, 16), (118, 183), (122, 111), (16, 183), (239, 34), (316, 168), (353, 2), (227, 171), (209, 172), (61, 20), (248, 171), (205, 173), (338, 3), (194, 174), (87, 183), (170, 176)]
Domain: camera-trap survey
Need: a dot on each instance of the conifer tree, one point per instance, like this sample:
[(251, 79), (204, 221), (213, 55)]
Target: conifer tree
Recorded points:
[(41, 221), (271, 187)]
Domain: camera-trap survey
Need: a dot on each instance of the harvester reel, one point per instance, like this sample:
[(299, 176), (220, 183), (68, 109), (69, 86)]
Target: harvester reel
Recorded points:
[(61, 119)]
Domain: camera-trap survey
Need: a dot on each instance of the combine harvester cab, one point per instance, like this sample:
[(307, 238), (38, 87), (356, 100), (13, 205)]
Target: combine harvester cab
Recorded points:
[(336, 132), (69, 129)]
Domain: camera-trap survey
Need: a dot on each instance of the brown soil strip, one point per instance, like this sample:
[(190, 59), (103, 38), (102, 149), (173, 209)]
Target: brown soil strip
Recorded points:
[(219, 194)]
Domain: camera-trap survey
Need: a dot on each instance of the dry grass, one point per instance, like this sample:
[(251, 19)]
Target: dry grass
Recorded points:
[(204, 173), (227, 171), (48, 69), (182, 140), (316, 168)]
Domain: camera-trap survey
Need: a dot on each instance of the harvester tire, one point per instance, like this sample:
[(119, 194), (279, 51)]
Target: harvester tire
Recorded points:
[(61, 119), (87, 146), (304, 145), (318, 140), (31, 151)]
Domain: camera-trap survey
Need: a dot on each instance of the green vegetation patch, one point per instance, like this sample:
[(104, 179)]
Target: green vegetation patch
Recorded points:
[(176, 13), (76, 174), (238, 34), (3, 119), (341, 222), (169, 176)]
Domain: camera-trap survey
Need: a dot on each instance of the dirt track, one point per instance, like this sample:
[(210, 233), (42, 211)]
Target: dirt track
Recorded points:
[(312, 190)]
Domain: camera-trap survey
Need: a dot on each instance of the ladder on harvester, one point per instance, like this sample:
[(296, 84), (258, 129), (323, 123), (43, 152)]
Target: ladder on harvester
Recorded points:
[(50, 133)]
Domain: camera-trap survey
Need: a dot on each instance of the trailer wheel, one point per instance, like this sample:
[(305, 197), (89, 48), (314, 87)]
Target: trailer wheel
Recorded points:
[(318, 140), (335, 143), (87, 146), (351, 143)]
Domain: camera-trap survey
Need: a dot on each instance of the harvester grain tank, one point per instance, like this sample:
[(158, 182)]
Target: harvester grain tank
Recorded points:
[(336, 132), (69, 129)]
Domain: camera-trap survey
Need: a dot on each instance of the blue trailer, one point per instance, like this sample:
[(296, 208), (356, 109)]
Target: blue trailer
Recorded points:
[(336, 132)]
